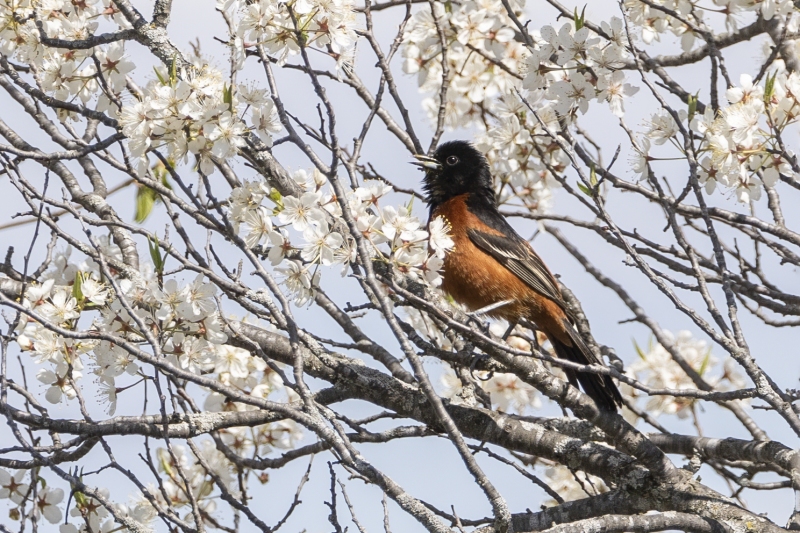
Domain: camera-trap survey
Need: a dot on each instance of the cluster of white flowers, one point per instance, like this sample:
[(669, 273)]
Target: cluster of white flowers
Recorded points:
[(201, 114), (743, 151), (198, 113), (507, 392), (565, 70), (474, 33), (740, 150), (299, 234), (479, 35), (186, 312), (572, 67), (60, 357), (236, 367), (61, 19), (45, 499), (328, 25), (186, 316), (521, 158), (61, 73), (572, 485), (657, 369), (172, 490), (653, 22), (90, 515)]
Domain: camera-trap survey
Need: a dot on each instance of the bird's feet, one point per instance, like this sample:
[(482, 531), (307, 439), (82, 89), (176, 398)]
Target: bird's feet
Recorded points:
[(477, 358), (476, 322), (508, 332)]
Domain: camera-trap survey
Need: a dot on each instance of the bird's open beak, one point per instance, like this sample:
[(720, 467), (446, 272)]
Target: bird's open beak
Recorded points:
[(426, 163)]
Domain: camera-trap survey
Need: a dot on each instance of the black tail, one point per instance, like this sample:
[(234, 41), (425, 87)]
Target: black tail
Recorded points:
[(599, 387)]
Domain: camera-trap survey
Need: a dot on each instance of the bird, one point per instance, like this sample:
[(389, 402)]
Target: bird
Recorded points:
[(493, 270)]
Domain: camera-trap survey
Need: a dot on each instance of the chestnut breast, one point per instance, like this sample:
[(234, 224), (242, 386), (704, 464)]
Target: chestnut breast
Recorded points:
[(475, 279)]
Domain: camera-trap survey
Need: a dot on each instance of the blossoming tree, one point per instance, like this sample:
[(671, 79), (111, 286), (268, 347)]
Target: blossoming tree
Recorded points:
[(274, 295)]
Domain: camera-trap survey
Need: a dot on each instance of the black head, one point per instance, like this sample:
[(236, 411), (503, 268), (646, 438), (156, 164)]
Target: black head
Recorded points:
[(456, 167)]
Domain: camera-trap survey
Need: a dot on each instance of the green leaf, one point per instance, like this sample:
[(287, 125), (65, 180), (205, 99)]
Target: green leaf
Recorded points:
[(639, 351), (692, 101), (166, 465), (593, 176), (147, 198), (165, 181), (276, 197), (80, 498), (704, 365), (585, 190), (173, 71), (206, 489), (155, 254), (145, 201), (227, 95), (160, 77), (77, 293), (580, 20), (769, 87), (161, 173)]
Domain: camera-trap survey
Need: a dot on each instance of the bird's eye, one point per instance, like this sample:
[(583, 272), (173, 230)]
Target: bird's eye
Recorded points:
[(452, 160)]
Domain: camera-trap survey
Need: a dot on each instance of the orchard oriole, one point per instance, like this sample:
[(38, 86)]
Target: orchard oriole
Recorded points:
[(491, 264)]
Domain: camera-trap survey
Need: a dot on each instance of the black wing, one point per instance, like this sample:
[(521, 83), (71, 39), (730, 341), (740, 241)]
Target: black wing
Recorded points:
[(601, 388), (518, 256)]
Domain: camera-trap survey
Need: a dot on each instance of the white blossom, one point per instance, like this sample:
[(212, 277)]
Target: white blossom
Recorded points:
[(259, 226), (322, 243), (47, 501), (572, 485), (231, 360), (13, 486), (440, 241), (298, 279), (657, 369), (613, 90), (301, 212), (509, 393)]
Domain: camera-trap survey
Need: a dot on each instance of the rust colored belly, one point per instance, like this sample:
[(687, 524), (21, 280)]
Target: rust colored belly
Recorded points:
[(476, 280)]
